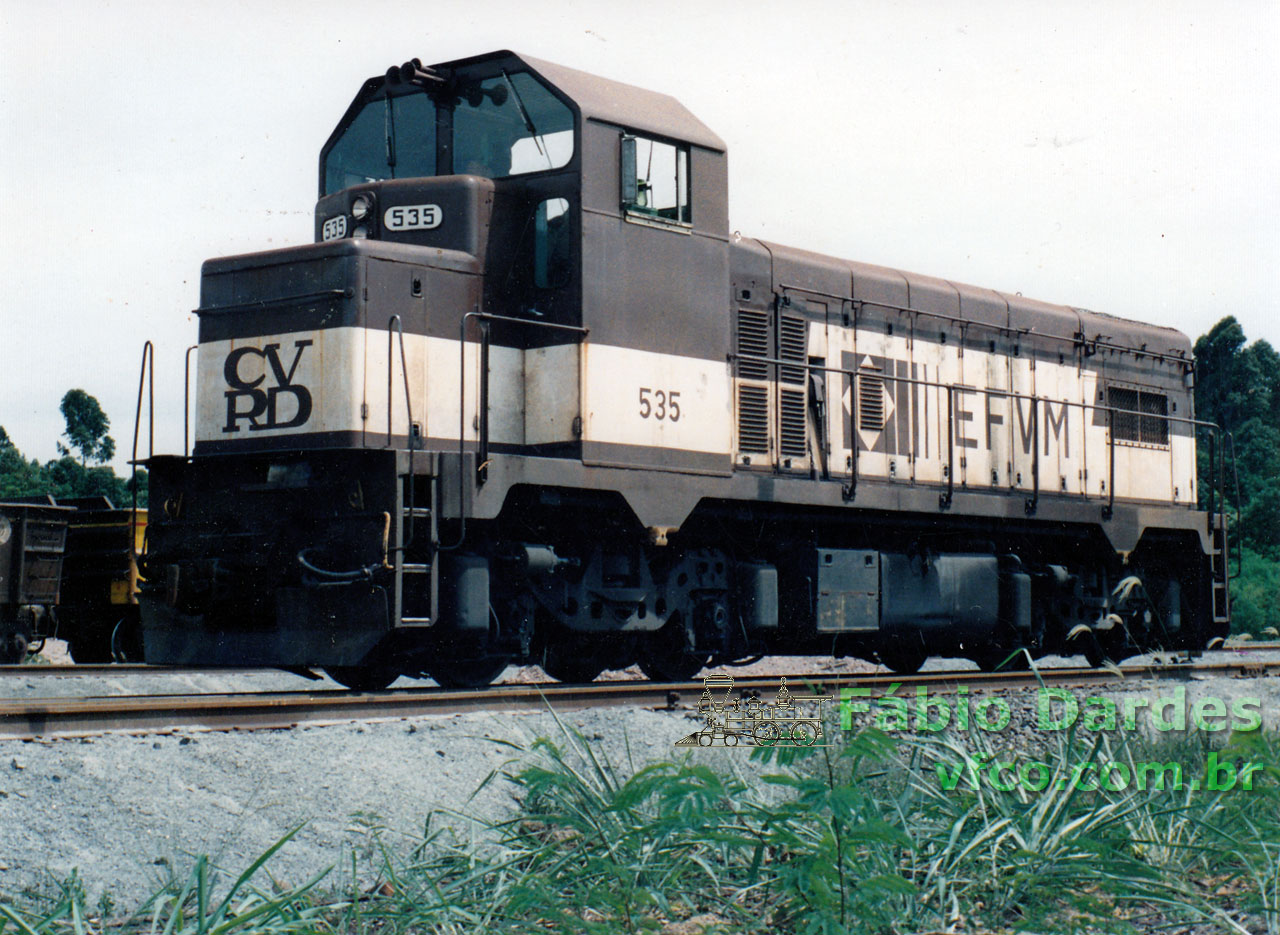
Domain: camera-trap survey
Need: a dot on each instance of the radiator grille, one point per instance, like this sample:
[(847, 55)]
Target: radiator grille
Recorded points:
[(753, 419), (792, 441), (1152, 429), (753, 341)]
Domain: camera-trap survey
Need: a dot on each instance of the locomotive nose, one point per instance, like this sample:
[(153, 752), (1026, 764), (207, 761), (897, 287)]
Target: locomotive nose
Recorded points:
[(450, 212)]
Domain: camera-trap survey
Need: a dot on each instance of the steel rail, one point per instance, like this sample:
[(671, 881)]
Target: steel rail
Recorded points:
[(50, 717), (117, 668), (140, 668)]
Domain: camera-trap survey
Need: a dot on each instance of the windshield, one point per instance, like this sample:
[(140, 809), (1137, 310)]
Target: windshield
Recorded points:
[(507, 125)]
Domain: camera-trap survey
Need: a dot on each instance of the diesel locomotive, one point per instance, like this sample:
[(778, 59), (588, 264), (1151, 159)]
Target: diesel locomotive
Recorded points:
[(528, 398)]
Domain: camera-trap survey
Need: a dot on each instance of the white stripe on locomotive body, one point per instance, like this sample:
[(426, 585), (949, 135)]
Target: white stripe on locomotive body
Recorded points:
[(630, 397), (1004, 404), (646, 399), (345, 373), (283, 384)]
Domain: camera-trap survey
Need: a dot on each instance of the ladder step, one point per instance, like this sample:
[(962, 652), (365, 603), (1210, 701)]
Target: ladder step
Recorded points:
[(415, 569), (418, 512), (415, 621)]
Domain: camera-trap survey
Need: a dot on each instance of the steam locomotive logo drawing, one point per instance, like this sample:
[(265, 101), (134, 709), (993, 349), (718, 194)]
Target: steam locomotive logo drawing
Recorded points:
[(750, 722)]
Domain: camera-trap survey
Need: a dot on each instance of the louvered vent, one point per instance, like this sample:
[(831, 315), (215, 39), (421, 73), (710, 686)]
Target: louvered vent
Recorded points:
[(753, 418), (792, 346), (793, 442), (870, 402), (753, 341)]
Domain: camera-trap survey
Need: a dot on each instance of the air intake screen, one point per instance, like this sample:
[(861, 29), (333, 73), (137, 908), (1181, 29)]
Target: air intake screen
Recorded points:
[(753, 341), (870, 402), (793, 441), (753, 418), (791, 346)]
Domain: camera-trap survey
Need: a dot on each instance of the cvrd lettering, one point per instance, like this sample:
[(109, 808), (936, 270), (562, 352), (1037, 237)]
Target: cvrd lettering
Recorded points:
[(249, 401)]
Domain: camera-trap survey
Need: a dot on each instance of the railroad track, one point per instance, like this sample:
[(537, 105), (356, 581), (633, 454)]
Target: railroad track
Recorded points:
[(106, 668), (138, 668), (53, 717)]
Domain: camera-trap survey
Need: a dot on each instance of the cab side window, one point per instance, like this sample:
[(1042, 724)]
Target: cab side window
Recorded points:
[(655, 180), (552, 246)]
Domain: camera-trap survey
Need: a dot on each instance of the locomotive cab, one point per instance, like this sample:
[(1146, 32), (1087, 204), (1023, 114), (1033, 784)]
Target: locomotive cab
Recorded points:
[(476, 221)]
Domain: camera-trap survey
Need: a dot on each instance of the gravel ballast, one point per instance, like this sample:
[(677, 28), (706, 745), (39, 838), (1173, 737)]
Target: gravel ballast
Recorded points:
[(126, 811)]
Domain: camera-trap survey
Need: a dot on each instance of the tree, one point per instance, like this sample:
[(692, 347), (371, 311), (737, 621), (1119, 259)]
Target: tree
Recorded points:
[(18, 476), (1238, 387), (87, 427), (1235, 383)]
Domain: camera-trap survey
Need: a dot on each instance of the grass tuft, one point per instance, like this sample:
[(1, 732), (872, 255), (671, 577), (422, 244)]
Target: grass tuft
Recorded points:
[(860, 836)]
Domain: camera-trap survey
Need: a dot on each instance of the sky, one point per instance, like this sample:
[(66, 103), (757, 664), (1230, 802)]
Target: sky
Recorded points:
[(1120, 156)]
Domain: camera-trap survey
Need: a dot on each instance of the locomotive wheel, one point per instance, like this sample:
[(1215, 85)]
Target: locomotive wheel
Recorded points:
[(105, 634), (1001, 659), (564, 665), (904, 655), (363, 678), (88, 644), (1096, 654), (14, 643), (675, 667), (665, 656), (13, 648), (466, 673), (90, 649)]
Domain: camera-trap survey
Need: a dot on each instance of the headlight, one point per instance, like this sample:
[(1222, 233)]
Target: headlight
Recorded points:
[(362, 207)]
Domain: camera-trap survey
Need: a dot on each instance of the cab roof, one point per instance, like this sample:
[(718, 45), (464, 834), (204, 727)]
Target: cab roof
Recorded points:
[(613, 102)]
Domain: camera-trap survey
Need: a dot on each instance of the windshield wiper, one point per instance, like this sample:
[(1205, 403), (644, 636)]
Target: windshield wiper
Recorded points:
[(390, 129), (528, 121)]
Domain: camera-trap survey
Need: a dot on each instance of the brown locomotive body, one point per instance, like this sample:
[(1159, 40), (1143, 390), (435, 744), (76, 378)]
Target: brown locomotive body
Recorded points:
[(527, 397)]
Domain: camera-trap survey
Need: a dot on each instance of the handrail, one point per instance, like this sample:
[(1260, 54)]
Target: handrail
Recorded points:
[(1109, 510), (482, 426), (950, 388), (1034, 503), (850, 490), (146, 377), (186, 400), (283, 301), (1235, 478), (944, 501), (915, 381), (395, 321), (955, 319), (1078, 339)]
